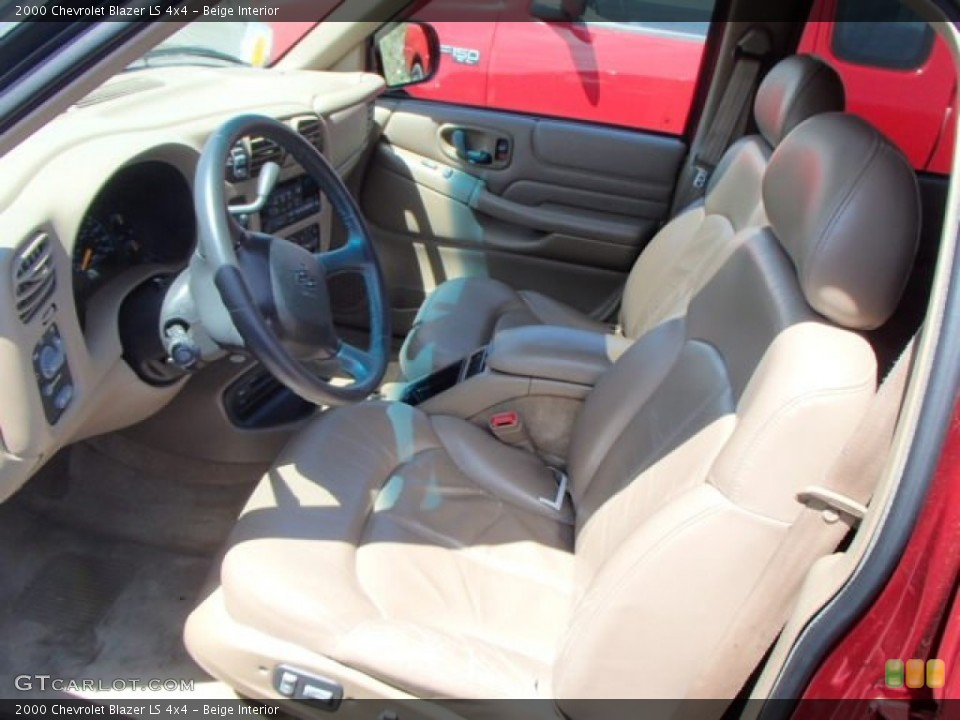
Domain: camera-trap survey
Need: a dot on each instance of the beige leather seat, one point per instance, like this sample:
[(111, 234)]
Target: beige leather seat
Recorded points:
[(463, 314), (401, 554)]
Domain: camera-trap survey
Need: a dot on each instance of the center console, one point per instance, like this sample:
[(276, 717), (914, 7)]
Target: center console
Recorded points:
[(291, 201), (542, 373), (426, 388)]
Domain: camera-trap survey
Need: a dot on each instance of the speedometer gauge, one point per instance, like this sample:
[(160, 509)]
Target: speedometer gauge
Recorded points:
[(103, 249)]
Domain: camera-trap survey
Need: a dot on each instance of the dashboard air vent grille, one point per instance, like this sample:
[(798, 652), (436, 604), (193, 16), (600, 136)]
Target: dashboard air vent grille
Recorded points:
[(263, 151), (371, 118), (34, 277), (312, 130)]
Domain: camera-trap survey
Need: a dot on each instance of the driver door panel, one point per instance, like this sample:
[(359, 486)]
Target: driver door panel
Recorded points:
[(559, 207)]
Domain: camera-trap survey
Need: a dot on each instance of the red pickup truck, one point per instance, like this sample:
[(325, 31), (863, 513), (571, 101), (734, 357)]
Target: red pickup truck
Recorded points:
[(642, 74)]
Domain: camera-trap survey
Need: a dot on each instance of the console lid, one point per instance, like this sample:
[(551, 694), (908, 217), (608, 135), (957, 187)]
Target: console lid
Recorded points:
[(555, 353)]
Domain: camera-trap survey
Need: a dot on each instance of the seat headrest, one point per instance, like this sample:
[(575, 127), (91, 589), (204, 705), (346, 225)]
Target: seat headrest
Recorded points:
[(797, 88), (845, 205)]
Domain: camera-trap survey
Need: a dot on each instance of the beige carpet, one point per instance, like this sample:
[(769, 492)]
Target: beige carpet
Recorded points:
[(101, 558)]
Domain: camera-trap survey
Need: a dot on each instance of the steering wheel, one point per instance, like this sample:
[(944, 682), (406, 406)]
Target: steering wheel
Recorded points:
[(273, 295)]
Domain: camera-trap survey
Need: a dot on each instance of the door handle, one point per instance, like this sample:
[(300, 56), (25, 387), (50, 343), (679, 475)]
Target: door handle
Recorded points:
[(474, 157)]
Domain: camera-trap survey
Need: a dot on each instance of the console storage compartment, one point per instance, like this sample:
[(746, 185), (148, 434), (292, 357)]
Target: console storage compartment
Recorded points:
[(541, 372)]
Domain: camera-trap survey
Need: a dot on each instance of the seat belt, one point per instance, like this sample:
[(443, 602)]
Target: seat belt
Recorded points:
[(730, 119), (816, 532)]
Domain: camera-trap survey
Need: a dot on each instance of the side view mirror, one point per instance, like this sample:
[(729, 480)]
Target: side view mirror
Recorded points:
[(407, 53), (558, 10)]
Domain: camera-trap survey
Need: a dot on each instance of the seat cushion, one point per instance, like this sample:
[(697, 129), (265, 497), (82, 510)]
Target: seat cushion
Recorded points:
[(388, 540), (463, 314)]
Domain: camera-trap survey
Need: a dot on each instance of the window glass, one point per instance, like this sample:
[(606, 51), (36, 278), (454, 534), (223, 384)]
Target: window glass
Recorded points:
[(224, 43), (631, 63), (671, 15), (901, 41)]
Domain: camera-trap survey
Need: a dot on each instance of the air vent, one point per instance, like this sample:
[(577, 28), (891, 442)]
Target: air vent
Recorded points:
[(34, 278), (371, 118), (312, 130), (259, 401), (117, 90), (263, 151)]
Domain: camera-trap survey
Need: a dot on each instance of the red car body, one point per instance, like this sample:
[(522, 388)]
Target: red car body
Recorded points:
[(643, 75), (634, 74), (916, 108)]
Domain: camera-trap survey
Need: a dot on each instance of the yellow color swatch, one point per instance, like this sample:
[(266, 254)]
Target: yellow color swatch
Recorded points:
[(915, 675), (936, 673)]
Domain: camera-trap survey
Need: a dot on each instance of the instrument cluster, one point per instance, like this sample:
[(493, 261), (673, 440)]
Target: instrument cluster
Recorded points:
[(143, 215)]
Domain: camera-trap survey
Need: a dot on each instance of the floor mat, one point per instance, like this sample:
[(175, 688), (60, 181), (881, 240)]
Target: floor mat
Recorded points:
[(72, 592), (122, 489), (102, 610), (102, 559)]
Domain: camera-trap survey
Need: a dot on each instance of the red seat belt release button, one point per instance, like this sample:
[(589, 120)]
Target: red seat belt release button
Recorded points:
[(505, 420), (508, 428)]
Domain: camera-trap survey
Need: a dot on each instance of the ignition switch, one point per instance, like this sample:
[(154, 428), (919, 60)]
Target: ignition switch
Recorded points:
[(183, 350)]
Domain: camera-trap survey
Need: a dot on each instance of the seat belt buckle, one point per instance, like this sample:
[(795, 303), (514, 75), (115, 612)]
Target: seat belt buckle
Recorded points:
[(701, 175), (508, 428), (556, 502), (833, 504)]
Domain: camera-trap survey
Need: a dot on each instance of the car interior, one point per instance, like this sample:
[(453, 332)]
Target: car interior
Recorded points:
[(303, 402)]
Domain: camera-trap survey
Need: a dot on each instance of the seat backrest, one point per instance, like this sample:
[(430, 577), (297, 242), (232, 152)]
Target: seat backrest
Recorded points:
[(686, 253), (688, 456)]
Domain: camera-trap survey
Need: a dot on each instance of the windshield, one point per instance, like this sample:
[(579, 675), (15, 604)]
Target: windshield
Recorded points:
[(255, 44)]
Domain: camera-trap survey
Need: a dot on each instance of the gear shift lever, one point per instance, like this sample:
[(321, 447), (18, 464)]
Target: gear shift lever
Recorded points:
[(265, 183)]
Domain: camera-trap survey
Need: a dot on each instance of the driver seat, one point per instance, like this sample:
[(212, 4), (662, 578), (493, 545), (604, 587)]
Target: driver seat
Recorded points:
[(395, 554)]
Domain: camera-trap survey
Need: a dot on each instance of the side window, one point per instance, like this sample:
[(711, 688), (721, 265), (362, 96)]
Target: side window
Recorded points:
[(897, 73), (692, 17), (900, 42), (631, 63)]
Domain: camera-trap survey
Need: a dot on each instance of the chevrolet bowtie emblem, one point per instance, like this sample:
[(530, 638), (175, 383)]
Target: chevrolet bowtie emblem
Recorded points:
[(304, 278)]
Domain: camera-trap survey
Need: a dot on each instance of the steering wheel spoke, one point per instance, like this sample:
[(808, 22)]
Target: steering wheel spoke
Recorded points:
[(357, 363), (348, 258)]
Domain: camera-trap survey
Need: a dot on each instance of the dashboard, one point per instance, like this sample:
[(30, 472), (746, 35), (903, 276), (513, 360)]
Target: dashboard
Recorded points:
[(98, 216)]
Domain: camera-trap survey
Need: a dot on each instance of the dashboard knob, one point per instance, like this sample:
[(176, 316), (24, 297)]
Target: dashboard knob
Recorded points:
[(63, 397), (51, 359)]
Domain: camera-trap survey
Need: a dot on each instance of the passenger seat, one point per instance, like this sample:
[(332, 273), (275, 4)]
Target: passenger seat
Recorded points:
[(464, 314)]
